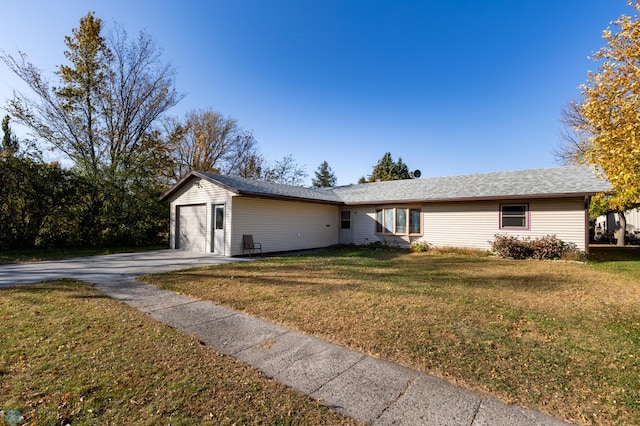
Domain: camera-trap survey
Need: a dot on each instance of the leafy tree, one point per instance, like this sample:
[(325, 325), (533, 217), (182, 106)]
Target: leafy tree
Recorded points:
[(10, 144), (37, 203), (103, 116), (141, 90), (324, 177), (252, 167), (387, 169), (209, 142), (574, 137), (605, 125), (285, 171), (108, 99)]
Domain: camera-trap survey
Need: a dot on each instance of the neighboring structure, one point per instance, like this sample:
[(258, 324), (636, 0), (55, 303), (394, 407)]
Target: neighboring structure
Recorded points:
[(606, 225), (211, 212)]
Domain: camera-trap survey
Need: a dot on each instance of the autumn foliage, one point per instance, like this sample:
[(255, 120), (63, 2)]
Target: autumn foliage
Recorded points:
[(611, 111)]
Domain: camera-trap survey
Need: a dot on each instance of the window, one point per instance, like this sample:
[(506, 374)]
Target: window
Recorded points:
[(399, 220), (388, 221), (514, 216), (414, 221), (345, 219), (219, 217)]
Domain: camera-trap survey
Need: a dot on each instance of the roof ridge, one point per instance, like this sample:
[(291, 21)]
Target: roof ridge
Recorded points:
[(550, 182)]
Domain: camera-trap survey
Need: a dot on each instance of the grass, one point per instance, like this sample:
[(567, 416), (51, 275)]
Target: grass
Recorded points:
[(624, 260), (36, 255), (70, 355), (560, 337)]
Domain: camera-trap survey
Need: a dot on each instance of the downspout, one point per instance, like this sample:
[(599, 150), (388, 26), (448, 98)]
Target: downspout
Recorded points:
[(587, 203)]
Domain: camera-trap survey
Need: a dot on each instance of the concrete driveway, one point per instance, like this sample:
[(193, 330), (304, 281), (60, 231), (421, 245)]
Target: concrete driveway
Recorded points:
[(112, 267)]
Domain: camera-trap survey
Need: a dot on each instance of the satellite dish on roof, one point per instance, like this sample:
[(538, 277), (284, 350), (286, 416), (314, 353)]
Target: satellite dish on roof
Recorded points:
[(417, 174)]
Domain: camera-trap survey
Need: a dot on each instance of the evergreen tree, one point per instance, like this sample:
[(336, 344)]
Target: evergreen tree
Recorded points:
[(387, 169), (10, 144), (324, 177), (402, 170)]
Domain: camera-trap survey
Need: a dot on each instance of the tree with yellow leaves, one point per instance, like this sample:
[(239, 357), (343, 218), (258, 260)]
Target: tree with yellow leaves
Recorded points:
[(605, 125)]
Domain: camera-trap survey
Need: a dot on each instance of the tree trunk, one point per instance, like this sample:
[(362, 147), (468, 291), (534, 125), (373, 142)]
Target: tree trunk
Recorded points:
[(622, 227)]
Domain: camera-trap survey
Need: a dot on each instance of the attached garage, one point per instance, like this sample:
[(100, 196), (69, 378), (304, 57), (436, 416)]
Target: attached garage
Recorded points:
[(191, 227)]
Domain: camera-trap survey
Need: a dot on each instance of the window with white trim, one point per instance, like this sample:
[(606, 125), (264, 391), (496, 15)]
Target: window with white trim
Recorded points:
[(514, 216), (399, 221), (345, 219)]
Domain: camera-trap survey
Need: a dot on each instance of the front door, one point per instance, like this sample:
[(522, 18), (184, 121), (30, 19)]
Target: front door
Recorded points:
[(218, 229), (345, 227)]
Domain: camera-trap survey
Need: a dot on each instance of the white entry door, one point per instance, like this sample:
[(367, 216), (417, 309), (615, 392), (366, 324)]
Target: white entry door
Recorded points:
[(218, 229), (346, 235)]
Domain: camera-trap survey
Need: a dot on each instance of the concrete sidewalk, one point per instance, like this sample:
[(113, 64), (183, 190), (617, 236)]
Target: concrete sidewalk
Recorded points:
[(359, 386)]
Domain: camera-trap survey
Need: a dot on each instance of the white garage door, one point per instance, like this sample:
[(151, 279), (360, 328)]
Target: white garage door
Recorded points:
[(191, 229)]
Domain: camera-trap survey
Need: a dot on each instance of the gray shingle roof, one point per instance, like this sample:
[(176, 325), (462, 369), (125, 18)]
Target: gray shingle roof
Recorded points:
[(538, 183), (559, 181), (257, 187)]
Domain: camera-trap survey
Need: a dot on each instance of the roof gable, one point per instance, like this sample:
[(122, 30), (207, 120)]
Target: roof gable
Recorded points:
[(256, 188), (538, 183)]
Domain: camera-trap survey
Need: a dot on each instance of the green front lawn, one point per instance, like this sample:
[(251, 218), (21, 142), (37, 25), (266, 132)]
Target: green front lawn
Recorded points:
[(70, 355), (563, 338)]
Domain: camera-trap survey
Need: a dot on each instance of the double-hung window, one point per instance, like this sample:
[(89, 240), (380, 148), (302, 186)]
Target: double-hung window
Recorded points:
[(399, 221), (514, 216), (345, 219)]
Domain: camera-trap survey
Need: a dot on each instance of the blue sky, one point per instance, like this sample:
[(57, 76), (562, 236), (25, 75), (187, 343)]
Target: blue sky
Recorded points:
[(451, 87)]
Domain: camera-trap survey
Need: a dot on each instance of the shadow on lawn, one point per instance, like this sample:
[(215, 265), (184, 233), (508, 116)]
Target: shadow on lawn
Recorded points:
[(376, 275), (614, 253), (67, 285)]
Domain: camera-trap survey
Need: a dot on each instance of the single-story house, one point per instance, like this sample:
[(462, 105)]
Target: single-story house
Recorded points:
[(211, 212)]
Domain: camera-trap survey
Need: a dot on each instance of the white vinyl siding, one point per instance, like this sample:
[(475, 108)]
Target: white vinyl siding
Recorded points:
[(284, 225), (199, 191), (291, 225), (364, 225), (633, 218), (475, 224)]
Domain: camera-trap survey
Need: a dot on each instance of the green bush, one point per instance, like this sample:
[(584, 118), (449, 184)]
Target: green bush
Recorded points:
[(419, 247)]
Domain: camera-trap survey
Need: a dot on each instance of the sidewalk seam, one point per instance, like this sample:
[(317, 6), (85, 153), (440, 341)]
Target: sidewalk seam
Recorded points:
[(172, 306), (400, 395), (477, 410), (359, 360)]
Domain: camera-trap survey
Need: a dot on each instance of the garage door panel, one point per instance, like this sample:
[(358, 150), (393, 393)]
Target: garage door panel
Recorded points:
[(192, 227)]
